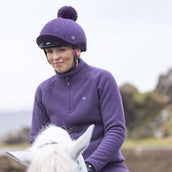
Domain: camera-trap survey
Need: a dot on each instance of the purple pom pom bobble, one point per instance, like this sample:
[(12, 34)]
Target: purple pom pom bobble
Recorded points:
[(67, 12)]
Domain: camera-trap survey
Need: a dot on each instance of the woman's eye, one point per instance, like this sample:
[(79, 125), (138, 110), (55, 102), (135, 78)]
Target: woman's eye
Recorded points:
[(48, 51)]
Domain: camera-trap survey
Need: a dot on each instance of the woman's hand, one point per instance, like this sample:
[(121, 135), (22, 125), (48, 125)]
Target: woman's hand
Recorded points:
[(90, 168)]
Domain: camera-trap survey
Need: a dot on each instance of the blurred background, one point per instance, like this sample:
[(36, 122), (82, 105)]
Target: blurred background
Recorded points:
[(132, 39)]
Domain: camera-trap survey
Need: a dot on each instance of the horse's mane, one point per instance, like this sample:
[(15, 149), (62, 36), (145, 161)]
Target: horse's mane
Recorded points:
[(52, 159), (49, 134)]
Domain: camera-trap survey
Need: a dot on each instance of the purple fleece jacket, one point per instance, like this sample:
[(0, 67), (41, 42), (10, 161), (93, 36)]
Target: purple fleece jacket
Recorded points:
[(85, 96)]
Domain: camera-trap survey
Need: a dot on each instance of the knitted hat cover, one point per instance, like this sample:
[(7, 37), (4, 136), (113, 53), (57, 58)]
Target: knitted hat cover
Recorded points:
[(63, 30)]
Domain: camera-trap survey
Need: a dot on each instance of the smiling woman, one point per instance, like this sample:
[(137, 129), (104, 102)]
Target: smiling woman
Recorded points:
[(79, 95), (61, 58)]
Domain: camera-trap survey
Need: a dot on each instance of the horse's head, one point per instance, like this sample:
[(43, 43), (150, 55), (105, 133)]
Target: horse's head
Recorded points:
[(55, 155)]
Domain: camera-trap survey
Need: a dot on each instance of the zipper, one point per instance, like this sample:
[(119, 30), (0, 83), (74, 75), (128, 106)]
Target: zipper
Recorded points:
[(69, 94)]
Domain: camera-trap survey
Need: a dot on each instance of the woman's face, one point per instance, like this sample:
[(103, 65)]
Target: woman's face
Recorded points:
[(61, 58)]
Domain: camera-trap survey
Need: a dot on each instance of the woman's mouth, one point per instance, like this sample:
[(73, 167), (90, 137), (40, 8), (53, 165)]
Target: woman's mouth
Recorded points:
[(58, 63)]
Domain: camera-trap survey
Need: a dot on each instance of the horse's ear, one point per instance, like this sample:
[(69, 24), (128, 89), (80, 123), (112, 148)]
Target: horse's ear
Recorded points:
[(81, 143), (23, 157)]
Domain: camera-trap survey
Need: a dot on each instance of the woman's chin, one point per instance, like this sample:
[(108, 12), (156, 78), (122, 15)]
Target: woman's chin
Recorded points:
[(61, 70)]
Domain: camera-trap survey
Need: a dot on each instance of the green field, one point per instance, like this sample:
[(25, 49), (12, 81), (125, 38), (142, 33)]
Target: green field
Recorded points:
[(148, 142)]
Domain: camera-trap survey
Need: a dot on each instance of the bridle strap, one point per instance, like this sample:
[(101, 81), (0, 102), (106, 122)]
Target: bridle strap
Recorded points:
[(51, 143)]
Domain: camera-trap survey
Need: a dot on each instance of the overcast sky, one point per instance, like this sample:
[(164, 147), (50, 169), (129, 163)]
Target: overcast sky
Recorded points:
[(130, 38)]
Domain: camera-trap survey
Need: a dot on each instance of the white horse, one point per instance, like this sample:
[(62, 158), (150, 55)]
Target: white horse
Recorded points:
[(54, 151)]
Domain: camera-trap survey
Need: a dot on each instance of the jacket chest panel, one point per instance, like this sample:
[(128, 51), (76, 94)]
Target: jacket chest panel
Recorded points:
[(72, 102)]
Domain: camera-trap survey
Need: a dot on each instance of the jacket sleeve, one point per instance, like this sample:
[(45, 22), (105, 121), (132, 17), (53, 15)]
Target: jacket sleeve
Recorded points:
[(113, 120), (39, 115)]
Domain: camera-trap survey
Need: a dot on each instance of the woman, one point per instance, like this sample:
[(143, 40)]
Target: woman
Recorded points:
[(79, 95)]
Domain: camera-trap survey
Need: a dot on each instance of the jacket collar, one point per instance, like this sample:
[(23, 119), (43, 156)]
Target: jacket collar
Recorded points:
[(74, 75)]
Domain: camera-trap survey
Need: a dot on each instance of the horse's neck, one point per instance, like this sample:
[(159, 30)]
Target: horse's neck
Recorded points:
[(82, 163)]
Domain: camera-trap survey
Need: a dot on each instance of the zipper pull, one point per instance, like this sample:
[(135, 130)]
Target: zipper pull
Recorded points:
[(68, 81)]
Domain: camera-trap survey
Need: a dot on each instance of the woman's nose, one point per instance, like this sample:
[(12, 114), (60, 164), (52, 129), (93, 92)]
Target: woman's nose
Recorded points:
[(56, 56)]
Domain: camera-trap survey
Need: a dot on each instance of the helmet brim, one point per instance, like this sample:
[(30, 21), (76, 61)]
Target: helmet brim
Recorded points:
[(48, 41)]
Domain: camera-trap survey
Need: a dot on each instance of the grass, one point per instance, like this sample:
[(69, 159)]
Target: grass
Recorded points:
[(15, 146), (148, 142)]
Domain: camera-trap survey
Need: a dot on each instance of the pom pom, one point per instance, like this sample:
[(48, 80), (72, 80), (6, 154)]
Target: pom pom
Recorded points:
[(67, 12)]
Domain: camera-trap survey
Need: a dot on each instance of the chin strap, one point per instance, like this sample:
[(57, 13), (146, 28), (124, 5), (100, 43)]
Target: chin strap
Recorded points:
[(75, 60)]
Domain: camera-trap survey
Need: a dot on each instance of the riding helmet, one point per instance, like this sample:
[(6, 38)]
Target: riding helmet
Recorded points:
[(63, 30)]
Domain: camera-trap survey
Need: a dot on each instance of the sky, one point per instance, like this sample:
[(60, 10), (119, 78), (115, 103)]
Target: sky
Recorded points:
[(130, 38)]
